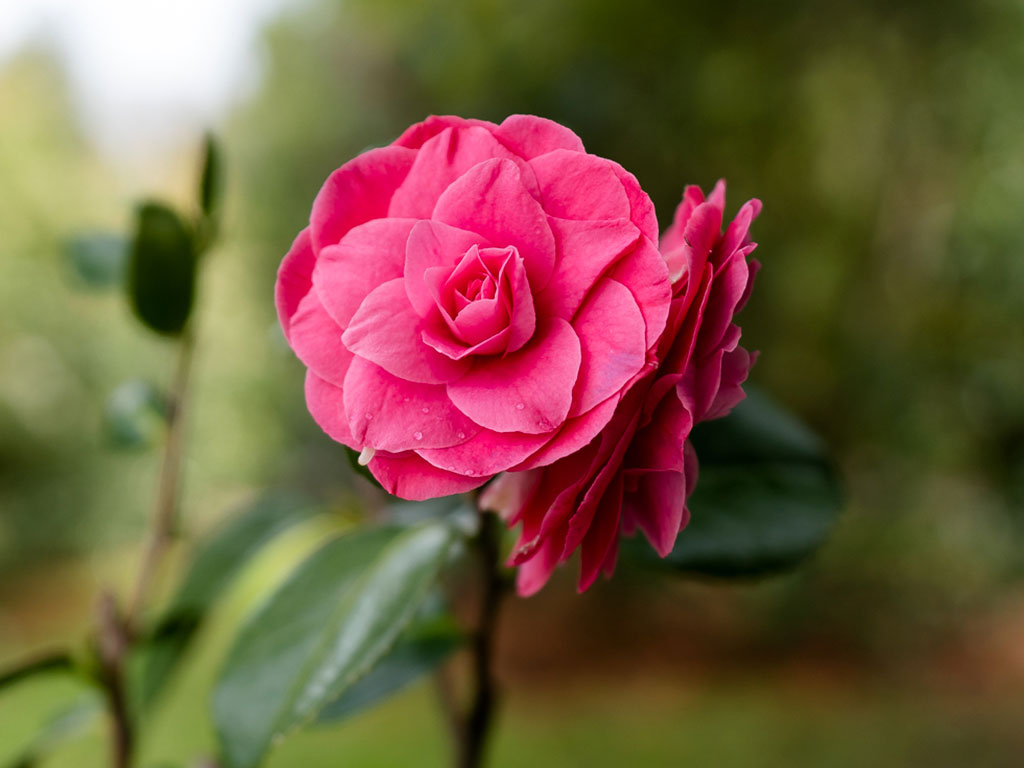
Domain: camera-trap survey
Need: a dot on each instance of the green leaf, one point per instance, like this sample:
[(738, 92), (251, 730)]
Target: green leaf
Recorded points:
[(420, 650), (62, 726), (340, 612), (136, 415), (97, 260), (38, 665), (767, 495), (215, 564), (162, 269), (210, 177)]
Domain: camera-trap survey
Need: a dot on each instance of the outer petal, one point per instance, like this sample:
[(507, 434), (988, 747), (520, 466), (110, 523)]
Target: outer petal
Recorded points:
[(529, 136), (486, 454), (574, 434), (324, 401), (580, 186), (736, 367), (294, 279), (641, 209), (410, 477), (587, 249), (439, 162), (528, 391), (611, 332), (601, 535), (316, 339), (357, 192), (658, 506), (726, 292), (386, 331), (366, 257), (415, 136), (491, 200), (645, 273), (394, 415), (533, 574)]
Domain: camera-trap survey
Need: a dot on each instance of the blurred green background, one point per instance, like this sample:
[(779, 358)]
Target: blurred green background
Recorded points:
[(887, 143)]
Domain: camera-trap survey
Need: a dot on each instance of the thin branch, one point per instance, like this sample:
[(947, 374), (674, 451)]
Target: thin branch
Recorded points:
[(166, 507), (113, 642)]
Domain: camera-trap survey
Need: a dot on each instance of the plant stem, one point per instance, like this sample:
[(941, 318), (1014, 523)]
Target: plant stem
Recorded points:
[(477, 723), (113, 642), (166, 506), (116, 632)]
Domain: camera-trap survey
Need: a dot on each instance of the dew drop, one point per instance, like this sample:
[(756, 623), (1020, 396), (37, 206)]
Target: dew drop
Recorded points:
[(425, 409), (462, 435), (520, 406), (405, 399), (418, 435)]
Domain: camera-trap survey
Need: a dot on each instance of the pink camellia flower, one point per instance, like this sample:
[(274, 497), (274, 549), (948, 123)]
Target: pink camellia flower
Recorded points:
[(640, 470), (471, 299)]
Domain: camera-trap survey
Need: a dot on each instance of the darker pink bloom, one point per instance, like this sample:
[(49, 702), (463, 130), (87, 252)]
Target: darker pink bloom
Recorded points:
[(640, 469), (471, 299)]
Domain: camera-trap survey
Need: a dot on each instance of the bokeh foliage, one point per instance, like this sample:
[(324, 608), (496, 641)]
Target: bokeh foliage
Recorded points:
[(883, 138)]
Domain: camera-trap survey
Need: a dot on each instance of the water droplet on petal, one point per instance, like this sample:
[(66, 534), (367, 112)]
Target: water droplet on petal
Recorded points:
[(520, 406), (405, 399), (425, 409), (418, 435), (462, 435)]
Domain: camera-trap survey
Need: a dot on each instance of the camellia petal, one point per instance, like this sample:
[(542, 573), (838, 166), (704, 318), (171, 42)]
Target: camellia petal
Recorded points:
[(611, 331), (440, 161), (410, 477), (294, 279), (579, 187), (530, 136), (587, 249), (528, 391), (390, 414), (357, 192), (324, 402), (433, 244), (367, 256), (316, 339), (385, 330), (491, 200)]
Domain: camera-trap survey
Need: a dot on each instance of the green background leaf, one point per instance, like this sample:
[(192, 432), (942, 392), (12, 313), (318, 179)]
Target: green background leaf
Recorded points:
[(210, 181), (161, 272), (422, 648), (321, 632), (215, 564), (97, 260), (135, 416)]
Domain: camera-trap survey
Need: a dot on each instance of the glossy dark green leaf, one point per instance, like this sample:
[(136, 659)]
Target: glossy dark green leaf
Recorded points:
[(321, 632), (217, 561), (135, 415), (97, 260), (767, 495), (420, 650), (162, 269), (210, 178)]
